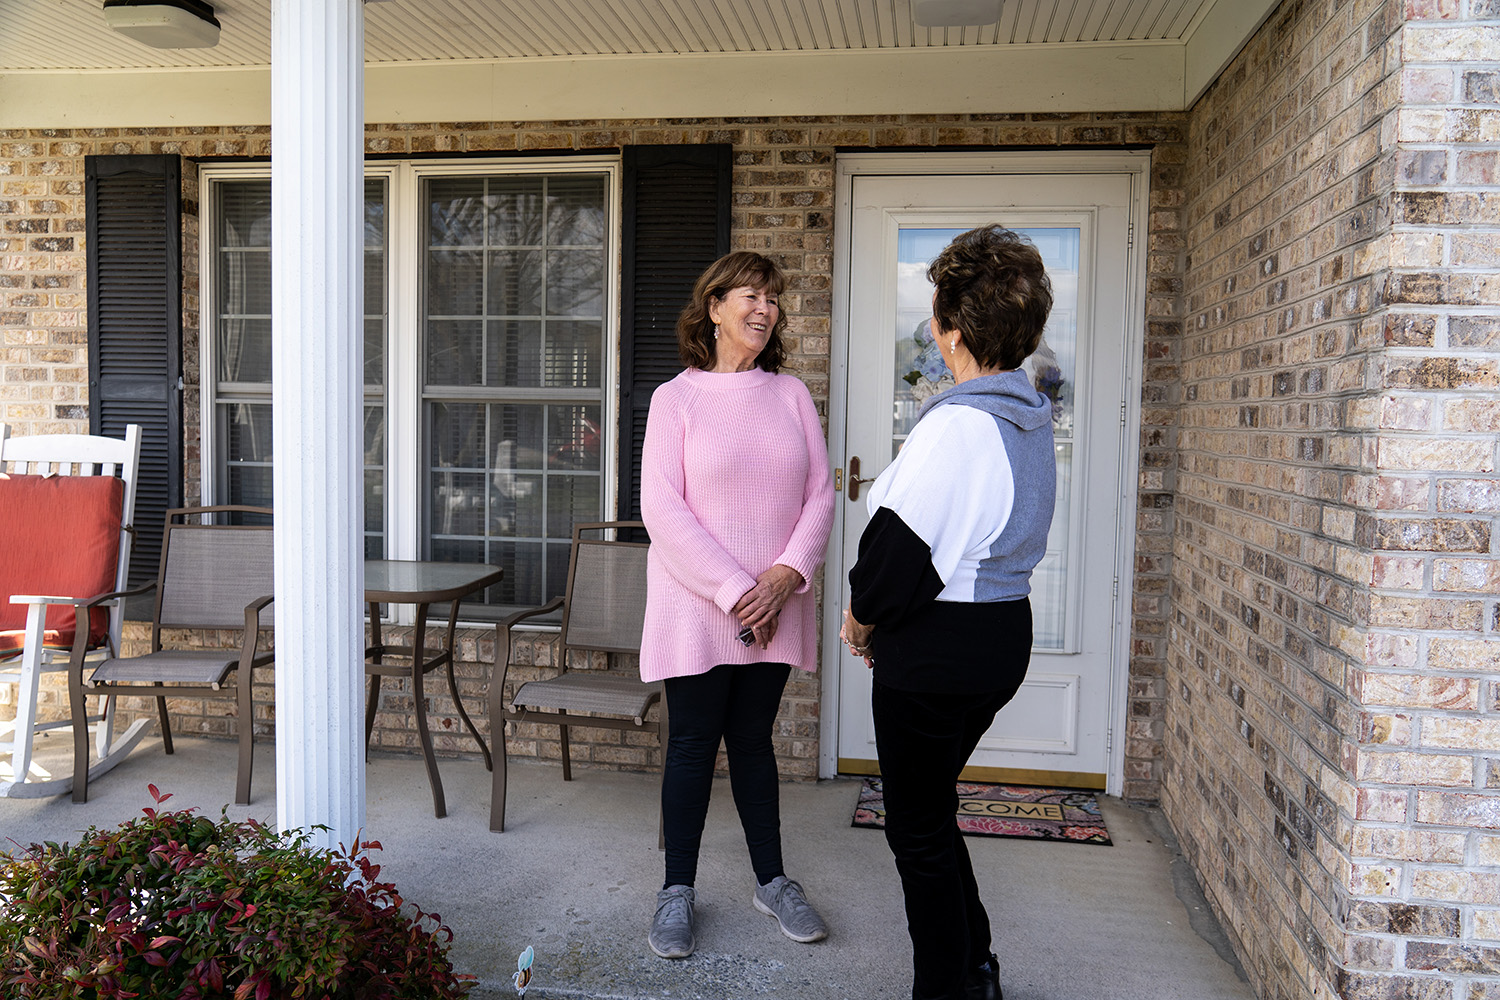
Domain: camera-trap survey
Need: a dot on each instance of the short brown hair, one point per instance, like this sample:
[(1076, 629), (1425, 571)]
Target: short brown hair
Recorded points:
[(695, 330), (991, 285)]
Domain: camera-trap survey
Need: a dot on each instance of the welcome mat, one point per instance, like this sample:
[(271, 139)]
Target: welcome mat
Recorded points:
[(1007, 811)]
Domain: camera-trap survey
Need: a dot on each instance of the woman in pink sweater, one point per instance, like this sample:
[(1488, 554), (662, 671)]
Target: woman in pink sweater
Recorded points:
[(737, 497)]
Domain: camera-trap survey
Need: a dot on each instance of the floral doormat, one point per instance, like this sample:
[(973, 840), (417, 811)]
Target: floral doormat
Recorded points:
[(1007, 811)]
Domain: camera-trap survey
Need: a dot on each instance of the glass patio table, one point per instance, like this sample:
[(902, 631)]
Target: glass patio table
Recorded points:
[(402, 581)]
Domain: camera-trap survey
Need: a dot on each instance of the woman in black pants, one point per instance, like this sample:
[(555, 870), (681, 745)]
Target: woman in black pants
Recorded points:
[(940, 606), (737, 496)]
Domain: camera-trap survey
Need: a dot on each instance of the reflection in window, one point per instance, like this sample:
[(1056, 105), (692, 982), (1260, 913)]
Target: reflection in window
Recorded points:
[(241, 321), (513, 295)]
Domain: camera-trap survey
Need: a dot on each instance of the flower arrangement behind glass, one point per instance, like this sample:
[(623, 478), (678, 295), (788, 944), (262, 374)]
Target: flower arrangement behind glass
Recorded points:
[(931, 376)]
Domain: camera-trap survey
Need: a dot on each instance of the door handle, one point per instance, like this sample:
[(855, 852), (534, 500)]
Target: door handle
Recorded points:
[(854, 480)]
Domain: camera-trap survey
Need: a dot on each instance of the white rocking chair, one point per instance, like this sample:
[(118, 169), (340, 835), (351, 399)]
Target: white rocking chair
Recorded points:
[(42, 650)]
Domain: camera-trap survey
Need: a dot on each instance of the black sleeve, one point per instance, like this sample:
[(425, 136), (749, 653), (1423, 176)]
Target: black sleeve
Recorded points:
[(894, 572)]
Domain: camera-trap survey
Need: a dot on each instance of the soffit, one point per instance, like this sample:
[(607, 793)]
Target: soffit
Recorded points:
[(43, 35)]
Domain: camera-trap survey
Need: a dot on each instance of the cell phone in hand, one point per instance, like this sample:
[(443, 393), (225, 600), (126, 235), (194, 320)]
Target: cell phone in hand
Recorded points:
[(746, 636)]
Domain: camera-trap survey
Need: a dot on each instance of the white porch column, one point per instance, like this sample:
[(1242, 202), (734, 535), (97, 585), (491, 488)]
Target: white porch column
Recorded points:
[(317, 199)]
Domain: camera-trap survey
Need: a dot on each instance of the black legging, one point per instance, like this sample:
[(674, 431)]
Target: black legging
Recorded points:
[(736, 703), (923, 741)]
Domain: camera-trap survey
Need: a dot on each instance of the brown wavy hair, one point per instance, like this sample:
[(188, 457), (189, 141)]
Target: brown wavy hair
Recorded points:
[(695, 330), (992, 287)]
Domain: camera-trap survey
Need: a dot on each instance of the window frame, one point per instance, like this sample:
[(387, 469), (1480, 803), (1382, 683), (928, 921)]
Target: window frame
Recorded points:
[(403, 390)]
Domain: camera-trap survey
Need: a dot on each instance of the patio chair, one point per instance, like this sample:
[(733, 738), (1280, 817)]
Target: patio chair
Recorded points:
[(66, 504), (602, 610), (212, 576)]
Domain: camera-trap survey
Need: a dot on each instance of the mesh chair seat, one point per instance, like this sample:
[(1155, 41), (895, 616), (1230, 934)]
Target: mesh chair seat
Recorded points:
[(593, 691), (169, 666)]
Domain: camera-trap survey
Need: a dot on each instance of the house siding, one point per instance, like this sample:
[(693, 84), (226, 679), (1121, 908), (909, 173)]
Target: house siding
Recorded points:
[(783, 194), (1334, 643)]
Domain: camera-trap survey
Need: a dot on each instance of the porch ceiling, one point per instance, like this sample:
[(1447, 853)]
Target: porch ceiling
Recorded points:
[(398, 31), (61, 65)]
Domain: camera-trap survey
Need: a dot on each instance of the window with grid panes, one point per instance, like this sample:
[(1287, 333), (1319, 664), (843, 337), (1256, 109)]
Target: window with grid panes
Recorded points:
[(511, 333), (513, 384), (240, 318)]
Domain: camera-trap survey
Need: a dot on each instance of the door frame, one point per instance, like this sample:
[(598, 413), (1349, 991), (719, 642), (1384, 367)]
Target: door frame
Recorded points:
[(1136, 164)]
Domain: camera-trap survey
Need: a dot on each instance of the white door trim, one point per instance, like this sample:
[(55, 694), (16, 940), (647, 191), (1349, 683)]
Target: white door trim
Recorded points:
[(1137, 164)]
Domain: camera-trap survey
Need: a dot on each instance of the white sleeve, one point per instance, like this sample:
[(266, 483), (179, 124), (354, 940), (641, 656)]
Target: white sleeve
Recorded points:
[(951, 484)]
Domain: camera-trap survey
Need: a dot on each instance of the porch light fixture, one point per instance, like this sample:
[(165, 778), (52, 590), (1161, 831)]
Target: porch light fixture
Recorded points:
[(954, 13), (164, 24)]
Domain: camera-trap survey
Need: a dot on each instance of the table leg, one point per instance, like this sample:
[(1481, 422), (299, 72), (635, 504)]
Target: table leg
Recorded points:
[(453, 689), (419, 698), (372, 699)]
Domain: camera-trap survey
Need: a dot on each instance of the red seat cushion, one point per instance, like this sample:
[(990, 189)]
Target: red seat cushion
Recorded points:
[(59, 537)]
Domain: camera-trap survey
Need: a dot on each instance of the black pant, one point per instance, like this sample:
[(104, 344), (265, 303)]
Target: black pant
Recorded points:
[(923, 741), (736, 703)]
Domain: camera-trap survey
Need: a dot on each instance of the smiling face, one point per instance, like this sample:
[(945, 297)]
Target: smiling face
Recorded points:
[(745, 317)]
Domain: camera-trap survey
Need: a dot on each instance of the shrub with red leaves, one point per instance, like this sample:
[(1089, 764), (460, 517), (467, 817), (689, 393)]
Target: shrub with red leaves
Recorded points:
[(175, 905)]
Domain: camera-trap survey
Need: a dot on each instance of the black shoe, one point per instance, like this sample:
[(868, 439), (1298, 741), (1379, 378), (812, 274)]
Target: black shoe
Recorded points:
[(983, 983)]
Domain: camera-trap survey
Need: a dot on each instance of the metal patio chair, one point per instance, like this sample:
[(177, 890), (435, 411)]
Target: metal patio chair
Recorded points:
[(212, 576), (66, 507), (603, 610)]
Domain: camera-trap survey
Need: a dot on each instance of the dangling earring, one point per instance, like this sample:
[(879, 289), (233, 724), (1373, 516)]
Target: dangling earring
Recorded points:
[(716, 331), (952, 345)]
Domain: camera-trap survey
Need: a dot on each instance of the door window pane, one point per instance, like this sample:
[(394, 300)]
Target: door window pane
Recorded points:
[(919, 372)]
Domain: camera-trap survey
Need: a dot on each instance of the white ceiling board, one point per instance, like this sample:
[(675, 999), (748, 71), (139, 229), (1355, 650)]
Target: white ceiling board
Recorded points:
[(454, 42), (437, 30), (914, 81)]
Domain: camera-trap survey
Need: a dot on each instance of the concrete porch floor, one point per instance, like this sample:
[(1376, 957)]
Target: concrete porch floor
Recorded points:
[(576, 872)]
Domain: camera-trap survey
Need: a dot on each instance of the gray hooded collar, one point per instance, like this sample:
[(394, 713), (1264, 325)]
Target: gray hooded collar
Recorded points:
[(1009, 395)]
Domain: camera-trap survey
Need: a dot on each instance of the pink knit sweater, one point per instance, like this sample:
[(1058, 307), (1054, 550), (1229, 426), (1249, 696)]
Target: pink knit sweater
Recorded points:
[(734, 479)]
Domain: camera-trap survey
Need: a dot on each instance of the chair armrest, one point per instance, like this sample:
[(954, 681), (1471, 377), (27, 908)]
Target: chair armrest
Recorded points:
[(506, 624), (250, 640), (253, 610), (81, 602), (40, 599), (502, 657)]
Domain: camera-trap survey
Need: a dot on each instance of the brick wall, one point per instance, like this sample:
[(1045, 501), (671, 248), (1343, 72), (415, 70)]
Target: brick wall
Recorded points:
[(1334, 644), (1425, 878), (783, 196)]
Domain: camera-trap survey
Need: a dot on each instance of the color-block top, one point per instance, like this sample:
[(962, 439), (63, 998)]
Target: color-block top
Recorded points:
[(958, 522), (734, 479)]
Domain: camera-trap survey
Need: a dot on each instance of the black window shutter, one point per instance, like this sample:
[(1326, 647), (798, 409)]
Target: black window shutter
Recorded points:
[(134, 227), (675, 223)]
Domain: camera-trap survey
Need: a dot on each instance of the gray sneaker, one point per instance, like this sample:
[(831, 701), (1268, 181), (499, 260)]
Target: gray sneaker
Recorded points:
[(672, 927), (783, 899)]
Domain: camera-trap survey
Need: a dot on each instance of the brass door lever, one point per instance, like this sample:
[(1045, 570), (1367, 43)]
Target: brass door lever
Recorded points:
[(854, 480)]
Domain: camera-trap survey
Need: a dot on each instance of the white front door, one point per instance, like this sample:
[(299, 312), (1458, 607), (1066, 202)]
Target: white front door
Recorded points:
[(1058, 730)]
